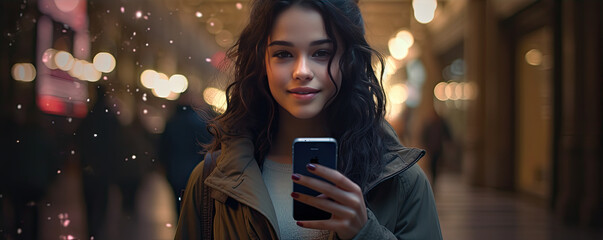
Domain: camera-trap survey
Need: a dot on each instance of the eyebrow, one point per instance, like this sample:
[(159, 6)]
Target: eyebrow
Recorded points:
[(290, 44)]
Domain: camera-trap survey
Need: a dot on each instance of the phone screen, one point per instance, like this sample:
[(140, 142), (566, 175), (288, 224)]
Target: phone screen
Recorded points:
[(321, 151)]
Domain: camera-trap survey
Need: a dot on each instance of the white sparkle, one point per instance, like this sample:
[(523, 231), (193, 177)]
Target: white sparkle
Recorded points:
[(144, 111), (19, 231), (199, 14), (95, 135), (72, 152), (133, 157), (146, 44), (168, 225), (69, 119), (58, 172), (208, 59), (144, 97), (133, 33), (133, 49), (162, 105), (18, 141), (184, 108), (122, 9), (18, 106), (138, 14), (239, 6), (105, 78), (88, 100), (171, 41)]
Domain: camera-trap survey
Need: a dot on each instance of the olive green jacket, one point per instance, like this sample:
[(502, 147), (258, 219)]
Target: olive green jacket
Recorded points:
[(400, 202)]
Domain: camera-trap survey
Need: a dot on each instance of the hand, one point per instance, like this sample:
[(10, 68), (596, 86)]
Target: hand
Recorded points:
[(347, 205)]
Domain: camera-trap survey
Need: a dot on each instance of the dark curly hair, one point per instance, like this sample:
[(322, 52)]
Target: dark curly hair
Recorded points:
[(355, 116)]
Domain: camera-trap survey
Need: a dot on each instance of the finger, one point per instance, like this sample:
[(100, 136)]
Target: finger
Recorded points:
[(323, 196), (319, 224), (334, 176), (324, 204), (330, 190)]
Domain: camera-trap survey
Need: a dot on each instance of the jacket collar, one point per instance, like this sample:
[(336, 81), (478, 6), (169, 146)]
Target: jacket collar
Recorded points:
[(238, 175), (396, 159)]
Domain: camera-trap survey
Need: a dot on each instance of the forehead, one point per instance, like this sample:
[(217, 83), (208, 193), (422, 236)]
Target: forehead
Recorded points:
[(299, 25)]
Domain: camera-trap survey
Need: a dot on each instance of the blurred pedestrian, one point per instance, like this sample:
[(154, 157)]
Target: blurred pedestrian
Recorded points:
[(181, 146), (435, 136)]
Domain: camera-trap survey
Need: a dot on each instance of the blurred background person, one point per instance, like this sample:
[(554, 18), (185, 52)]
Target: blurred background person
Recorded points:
[(435, 137), (181, 144)]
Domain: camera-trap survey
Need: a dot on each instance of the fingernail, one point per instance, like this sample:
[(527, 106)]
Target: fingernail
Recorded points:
[(295, 176), (300, 224), (294, 195), (311, 166)]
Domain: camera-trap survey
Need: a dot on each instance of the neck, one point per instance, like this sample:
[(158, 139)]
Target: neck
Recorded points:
[(291, 128)]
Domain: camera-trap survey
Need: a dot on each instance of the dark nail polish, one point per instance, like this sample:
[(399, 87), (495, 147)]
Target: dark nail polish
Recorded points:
[(300, 224), (295, 177), (294, 195), (311, 166)]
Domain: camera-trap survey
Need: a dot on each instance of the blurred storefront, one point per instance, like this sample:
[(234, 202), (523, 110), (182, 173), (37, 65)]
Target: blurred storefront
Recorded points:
[(533, 124)]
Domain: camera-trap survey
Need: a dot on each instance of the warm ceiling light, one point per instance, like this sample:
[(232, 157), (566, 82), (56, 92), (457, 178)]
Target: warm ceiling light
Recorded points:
[(148, 78), (25, 72), (64, 60), (424, 10), (48, 58), (104, 62), (178, 83)]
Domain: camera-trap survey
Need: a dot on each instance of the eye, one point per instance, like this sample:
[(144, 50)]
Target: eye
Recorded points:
[(322, 53), (282, 54)]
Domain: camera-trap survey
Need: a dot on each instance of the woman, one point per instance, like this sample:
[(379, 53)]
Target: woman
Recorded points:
[(302, 68)]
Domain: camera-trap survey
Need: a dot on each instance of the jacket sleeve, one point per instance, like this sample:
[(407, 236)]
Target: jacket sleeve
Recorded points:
[(417, 214), (189, 223)]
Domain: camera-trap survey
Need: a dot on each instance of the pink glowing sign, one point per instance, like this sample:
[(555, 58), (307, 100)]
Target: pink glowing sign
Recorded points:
[(62, 27)]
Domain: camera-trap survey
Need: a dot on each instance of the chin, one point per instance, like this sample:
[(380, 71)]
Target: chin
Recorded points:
[(303, 114)]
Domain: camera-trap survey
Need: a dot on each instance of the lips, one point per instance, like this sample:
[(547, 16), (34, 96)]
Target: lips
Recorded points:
[(303, 90), (303, 93)]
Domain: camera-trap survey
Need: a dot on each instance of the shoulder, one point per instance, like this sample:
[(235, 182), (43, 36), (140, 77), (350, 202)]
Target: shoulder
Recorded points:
[(413, 179), (197, 173), (196, 177)]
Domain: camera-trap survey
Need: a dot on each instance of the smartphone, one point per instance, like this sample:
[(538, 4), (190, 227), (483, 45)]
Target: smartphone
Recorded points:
[(321, 151)]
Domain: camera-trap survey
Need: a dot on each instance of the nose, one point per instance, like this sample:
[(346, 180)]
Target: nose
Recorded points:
[(302, 70)]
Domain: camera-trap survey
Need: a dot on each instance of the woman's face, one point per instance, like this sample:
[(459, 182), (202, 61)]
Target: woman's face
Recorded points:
[(297, 56)]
